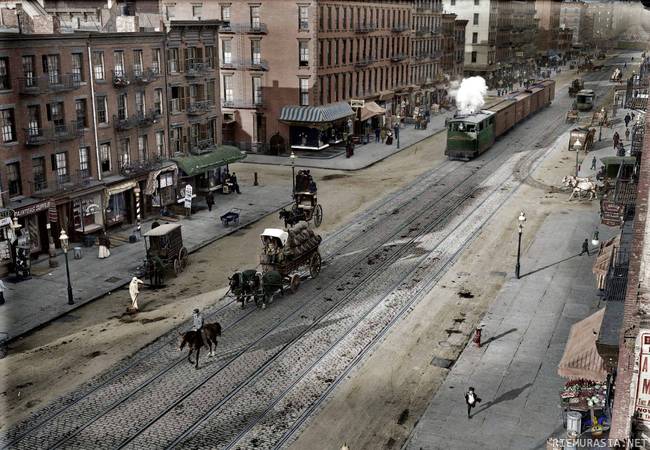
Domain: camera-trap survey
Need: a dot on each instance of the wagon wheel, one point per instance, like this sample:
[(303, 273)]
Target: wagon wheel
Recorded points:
[(177, 267), (318, 215), (294, 283), (183, 258), (315, 265)]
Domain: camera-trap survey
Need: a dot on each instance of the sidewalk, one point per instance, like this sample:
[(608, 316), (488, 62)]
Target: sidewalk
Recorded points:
[(364, 155), (34, 302), (525, 331)]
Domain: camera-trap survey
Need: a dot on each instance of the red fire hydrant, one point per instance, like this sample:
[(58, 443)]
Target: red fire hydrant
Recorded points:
[(477, 336)]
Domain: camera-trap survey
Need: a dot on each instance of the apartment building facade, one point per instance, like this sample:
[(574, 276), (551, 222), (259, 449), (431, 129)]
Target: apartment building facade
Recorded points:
[(573, 15), (429, 46)]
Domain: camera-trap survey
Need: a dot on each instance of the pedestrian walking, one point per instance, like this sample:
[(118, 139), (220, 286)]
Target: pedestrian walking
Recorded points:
[(209, 199), (471, 399), (383, 134), (627, 134), (134, 291), (377, 134), (2, 292), (627, 120), (235, 185), (593, 163), (616, 138), (585, 248), (104, 246)]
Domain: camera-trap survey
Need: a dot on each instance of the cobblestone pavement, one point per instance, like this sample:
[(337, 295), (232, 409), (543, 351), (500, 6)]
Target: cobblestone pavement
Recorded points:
[(274, 367)]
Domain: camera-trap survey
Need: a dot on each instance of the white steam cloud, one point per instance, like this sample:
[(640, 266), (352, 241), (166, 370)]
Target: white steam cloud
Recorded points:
[(470, 95)]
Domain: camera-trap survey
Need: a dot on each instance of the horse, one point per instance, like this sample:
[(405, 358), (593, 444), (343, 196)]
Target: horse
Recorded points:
[(582, 187), (291, 217), (194, 340), (245, 285), (571, 181)]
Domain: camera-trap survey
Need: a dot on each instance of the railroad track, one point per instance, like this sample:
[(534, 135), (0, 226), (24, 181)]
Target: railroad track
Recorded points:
[(364, 224)]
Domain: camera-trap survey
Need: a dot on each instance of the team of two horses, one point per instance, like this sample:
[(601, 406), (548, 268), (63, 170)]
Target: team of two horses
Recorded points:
[(580, 186)]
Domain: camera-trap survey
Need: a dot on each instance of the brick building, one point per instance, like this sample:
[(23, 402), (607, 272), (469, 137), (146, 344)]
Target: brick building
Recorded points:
[(453, 46), (459, 49), (428, 50), (548, 14)]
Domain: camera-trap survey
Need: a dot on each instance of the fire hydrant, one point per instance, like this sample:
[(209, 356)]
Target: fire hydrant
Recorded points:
[(477, 336)]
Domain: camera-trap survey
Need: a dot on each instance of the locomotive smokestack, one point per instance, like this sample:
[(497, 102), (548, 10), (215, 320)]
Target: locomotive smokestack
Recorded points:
[(470, 95)]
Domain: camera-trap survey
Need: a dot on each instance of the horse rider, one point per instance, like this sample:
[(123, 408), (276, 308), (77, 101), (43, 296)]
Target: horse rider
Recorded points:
[(197, 322)]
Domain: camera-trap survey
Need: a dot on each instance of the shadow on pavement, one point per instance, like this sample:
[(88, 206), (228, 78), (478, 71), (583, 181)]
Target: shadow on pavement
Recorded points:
[(499, 336)]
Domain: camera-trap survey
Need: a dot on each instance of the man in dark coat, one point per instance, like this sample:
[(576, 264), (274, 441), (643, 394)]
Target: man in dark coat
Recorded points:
[(627, 120), (235, 185), (585, 248), (209, 199), (616, 138), (471, 399)]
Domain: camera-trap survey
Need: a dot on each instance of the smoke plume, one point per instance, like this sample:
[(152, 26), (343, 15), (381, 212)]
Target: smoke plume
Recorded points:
[(470, 95)]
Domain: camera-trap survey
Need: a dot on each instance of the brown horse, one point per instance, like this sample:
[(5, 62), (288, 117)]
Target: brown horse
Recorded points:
[(194, 340)]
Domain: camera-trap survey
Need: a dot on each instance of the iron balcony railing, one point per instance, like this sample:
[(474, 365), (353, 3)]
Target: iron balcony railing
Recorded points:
[(198, 67), (145, 76), (258, 102), (139, 119), (39, 184), (49, 83), (201, 146), (120, 78), (245, 64), (36, 136), (200, 107), (140, 166), (65, 131), (251, 28)]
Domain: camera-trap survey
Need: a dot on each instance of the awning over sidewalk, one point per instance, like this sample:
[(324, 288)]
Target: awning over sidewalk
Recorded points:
[(603, 261), (316, 114), (150, 187), (581, 358), (197, 164), (371, 109)]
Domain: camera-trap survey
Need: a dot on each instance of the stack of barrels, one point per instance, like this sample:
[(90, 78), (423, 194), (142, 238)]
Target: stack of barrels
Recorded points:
[(301, 240)]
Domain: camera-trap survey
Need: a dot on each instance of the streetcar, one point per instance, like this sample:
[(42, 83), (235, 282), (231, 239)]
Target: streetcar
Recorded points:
[(585, 100)]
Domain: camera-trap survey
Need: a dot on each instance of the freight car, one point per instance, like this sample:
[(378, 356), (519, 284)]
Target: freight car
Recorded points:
[(470, 135)]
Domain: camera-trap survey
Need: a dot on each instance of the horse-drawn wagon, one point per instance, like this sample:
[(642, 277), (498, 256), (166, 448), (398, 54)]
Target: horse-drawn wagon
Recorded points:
[(285, 256), (599, 118), (572, 116), (305, 207), (576, 86), (164, 252)]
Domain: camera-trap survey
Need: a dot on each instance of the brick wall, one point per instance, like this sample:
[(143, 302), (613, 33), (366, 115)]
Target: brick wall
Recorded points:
[(624, 400)]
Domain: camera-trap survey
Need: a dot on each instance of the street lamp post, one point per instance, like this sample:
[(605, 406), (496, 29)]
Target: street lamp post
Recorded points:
[(293, 172), (602, 119), (577, 146), (520, 228), (64, 245)]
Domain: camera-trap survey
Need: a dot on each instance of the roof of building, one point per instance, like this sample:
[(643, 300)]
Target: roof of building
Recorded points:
[(316, 114), (196, 164)]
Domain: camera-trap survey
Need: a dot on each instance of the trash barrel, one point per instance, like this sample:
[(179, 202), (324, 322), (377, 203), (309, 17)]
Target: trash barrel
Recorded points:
[(573, 423), (77, 252)]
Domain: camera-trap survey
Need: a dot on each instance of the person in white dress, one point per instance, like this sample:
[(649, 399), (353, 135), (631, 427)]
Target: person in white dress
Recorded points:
[(104, 246), (134, 290)]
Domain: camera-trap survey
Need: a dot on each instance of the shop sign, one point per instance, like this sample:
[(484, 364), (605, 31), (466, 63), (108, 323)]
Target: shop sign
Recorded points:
[(92, 208), (611, 214), (642, 405), (357, 103), (32, 209), (188, 196)]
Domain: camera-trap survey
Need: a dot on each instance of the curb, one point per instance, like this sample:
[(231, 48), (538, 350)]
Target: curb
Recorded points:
[(5, 342)]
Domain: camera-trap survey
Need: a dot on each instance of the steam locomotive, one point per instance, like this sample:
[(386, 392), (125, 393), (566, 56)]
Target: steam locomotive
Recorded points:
[(470, 135)]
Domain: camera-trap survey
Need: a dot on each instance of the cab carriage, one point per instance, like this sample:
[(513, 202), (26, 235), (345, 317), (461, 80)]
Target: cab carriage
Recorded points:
[(585, 100)]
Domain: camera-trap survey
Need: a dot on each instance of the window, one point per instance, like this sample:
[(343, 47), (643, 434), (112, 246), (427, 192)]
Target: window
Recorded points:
[(255, 17), (8, 125), (225, 13), (160, 143), (77, 67), (303, 17), (256, 51), (84, 162), (60, 166), (55, 114), (102, 113), (172, 60), (209, 56), (473, 57), (177, 101), (98, 65), (13, 176), (105, 156), (475, 19), (122, 112), (170, 11), (28, 71), (34, 121), (228, 94), (474, 38), (38, 174), (226, 51), (304, 91), (156, 60), (137, 63), (196, 11), (118, 63), (80, 110), (257, 90), (175, 136), (52, 68), (140, 105), (158, 101), (303, 53), (125, 152), (143, 147), (210, 92)]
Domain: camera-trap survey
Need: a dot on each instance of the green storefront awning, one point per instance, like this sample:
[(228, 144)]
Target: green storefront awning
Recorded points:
[(612, 160), (197, 164)]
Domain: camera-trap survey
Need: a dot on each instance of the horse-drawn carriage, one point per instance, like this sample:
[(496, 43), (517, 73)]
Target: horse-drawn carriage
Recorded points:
[(585, 136), (572, 116), (599, 118), (285, 254), (164, 252), (576, 86), (306, 207)]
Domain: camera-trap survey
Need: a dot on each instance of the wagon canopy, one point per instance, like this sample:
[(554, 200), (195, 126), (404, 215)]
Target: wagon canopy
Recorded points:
[(276, 233), (163, 230)]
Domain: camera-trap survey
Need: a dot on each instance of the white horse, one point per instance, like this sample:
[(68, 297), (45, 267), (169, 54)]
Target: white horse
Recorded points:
[(571, 181), (584, 187)]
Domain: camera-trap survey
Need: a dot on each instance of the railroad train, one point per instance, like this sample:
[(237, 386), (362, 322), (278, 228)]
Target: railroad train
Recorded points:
[(470, 135)]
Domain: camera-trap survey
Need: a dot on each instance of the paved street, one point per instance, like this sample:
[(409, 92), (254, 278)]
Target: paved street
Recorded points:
[(34, 302), (374, 269), (515, 371)]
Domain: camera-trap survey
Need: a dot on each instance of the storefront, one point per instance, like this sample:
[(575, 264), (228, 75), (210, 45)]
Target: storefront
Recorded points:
[(118, 202), (33, 218), (206, 172), (87, 214), (317, 127), (371, 116), (160, 188)]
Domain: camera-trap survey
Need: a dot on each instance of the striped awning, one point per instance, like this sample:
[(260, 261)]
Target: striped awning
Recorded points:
[(581, 358), (316, 114)]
